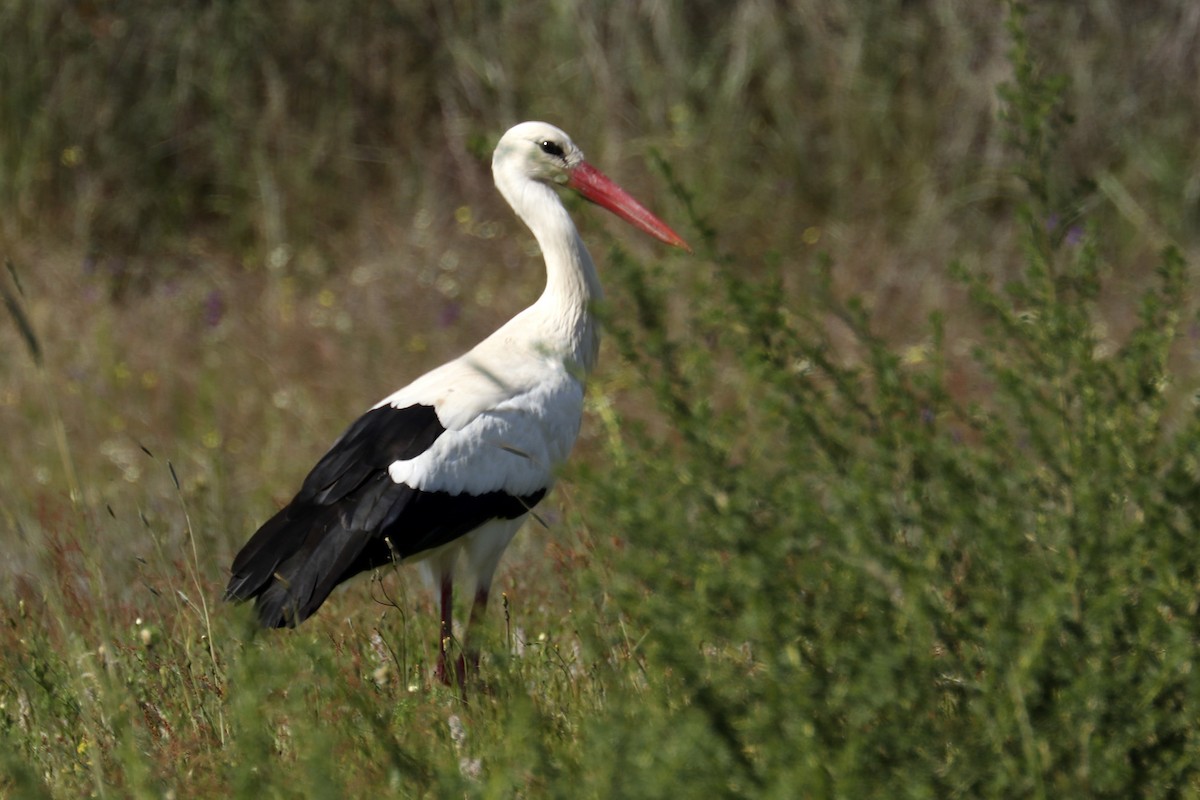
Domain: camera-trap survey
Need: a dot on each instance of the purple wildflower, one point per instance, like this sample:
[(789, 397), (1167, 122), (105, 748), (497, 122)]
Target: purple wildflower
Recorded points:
[(449, 315), (214, 308)]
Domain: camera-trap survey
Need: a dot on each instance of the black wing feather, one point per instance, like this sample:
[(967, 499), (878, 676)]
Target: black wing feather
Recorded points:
[(374, 441), (350, 516)]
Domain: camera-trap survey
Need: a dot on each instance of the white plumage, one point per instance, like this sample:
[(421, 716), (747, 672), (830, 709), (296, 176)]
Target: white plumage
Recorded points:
[(514, 446), (451, 464)]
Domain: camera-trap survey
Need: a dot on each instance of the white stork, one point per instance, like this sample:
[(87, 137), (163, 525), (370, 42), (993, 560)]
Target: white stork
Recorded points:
[(454, 462)]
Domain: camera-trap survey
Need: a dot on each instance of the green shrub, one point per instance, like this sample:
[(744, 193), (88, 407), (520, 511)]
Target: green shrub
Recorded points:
[(854, 577)]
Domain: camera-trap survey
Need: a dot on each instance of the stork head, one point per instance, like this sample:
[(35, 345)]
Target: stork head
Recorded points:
[(538, 151)]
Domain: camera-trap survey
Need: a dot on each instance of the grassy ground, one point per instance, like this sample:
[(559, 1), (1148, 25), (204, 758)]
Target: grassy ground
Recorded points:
[(814, 542)]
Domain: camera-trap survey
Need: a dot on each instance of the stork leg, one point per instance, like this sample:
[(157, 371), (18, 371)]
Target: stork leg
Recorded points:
[(477, 617), (485, 545), (447, 628)]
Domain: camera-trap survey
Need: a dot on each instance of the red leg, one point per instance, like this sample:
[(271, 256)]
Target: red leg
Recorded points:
[(447, 629), (480, 605), (477, 612)]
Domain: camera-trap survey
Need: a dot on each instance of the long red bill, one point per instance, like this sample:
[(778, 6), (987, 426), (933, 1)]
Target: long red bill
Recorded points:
[(599, 188)]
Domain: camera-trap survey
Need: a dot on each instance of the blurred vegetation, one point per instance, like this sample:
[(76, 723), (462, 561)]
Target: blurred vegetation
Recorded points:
[(891, 491), (131, 128)]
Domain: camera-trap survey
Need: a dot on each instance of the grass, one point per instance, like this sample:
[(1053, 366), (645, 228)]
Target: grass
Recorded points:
[(816, 541)]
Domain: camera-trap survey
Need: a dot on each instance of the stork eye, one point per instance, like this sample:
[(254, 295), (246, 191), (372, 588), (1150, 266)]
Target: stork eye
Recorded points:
[(551, 148)]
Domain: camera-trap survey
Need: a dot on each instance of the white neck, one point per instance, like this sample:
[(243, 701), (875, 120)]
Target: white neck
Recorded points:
[(562, 314)]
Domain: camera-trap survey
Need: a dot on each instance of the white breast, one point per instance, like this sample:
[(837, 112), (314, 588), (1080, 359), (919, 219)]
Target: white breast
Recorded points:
[(515, 445)]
